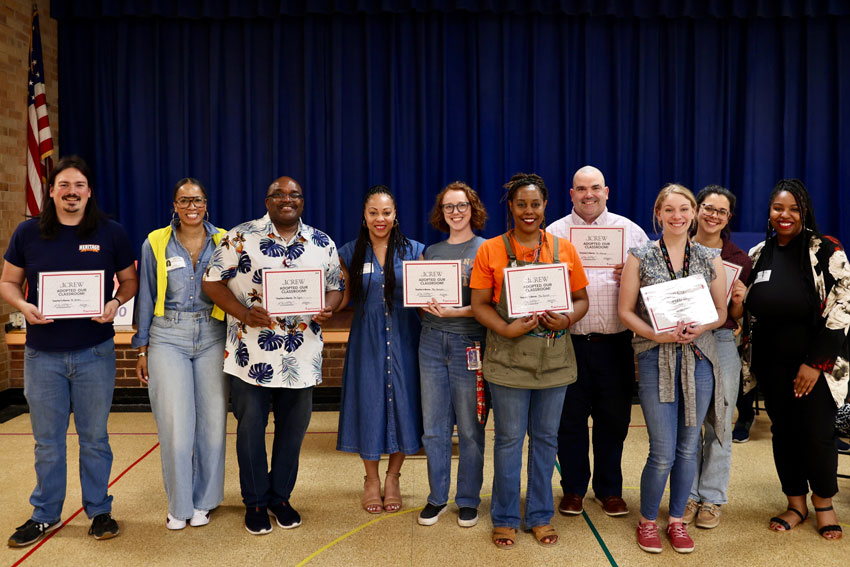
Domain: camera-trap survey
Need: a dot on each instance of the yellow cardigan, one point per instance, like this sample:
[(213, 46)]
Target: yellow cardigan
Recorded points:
[(158, 240)]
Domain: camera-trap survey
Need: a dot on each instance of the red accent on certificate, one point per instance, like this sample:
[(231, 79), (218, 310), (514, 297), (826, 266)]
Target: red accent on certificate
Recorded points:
[(71, 295), (599, 246), (684, 299), (537, 288), (432, 279), (732, 272), (293, 291)]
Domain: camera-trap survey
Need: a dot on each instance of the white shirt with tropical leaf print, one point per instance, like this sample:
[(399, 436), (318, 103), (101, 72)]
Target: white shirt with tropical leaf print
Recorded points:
[(288, 354)]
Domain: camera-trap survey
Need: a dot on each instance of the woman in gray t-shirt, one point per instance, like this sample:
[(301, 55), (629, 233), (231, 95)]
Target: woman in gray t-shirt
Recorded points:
[(449, 387)]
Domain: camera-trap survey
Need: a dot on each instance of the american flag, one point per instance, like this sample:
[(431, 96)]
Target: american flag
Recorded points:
[(39, 139)]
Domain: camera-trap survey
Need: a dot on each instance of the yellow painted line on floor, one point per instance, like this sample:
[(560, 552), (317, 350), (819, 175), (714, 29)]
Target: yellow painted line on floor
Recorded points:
[(361, 527)]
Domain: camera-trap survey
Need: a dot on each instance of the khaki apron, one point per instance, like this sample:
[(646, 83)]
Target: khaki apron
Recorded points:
[(530, 361)]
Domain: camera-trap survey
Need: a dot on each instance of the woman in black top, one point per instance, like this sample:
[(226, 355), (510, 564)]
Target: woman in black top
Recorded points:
[(798, 306)]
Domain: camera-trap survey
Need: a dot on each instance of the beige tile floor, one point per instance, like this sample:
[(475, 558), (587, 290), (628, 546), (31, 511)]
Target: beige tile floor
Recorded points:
[(336, 532)]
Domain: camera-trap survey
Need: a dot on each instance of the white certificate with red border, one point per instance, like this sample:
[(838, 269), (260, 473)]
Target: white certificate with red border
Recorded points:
[(684, 299), (293, 291), (438, 279), (599, 246), (537, 288), (71, 295), (732, 271)]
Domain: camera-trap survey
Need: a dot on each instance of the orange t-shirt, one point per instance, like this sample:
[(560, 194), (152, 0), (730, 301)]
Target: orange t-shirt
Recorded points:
[(492, 259)]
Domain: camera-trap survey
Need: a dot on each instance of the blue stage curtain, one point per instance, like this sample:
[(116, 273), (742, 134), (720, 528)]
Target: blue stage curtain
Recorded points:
[(415, 100)]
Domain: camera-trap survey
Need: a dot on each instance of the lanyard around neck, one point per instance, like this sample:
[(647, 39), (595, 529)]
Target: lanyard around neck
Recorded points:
[(686, 263)]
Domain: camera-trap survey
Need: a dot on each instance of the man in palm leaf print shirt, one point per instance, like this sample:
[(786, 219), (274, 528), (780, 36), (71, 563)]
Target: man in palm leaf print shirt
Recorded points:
[(271, 360)]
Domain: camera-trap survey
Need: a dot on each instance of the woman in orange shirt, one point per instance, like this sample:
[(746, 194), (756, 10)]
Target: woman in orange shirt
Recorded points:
[(528, 363)]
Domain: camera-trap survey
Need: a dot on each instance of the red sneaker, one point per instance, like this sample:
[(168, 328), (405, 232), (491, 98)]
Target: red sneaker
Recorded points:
[(648, 539), (679, 538)]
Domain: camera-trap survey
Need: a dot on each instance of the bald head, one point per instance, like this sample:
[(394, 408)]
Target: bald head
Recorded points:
[(589, 193)]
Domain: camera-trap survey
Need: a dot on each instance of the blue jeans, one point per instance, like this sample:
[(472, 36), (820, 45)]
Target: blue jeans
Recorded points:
[(515, 411), (449, 396), (292, 410), (188, 392), (714, 461), (55, 384), (672, 445)]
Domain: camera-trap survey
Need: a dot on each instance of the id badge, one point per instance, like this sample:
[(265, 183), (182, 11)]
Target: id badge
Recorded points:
[(473, 358)]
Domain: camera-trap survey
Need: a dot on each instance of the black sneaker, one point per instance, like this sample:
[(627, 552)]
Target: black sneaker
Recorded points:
[(741, 433), (257, 520), (103, 526), (285, 515), (467, 516), (430, 514), (31, 532)]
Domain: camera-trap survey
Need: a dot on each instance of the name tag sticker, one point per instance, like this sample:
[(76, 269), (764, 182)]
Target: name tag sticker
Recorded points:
[(367, 268), (763, 276), (174, 263)]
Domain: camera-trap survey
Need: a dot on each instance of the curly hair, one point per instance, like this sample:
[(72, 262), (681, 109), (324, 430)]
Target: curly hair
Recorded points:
[(479, 213), (518, 181)]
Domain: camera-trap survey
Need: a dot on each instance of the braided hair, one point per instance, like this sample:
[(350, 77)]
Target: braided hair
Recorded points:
[(810, 229), (518, 181), (398, 245)]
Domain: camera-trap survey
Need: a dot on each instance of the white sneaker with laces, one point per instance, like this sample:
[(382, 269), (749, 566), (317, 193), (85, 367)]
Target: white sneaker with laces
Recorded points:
[(173, 523)]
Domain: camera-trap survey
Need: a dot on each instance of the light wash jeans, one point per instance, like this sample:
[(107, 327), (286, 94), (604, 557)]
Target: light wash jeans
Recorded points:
[(449, 396), (188, 392), (55, 384), (672, 445), (714, 461), (515, 412)]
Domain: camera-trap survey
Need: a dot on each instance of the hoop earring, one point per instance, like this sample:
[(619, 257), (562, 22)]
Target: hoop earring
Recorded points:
[(207, 216), (175, 218), (363, 222), (395, 222)]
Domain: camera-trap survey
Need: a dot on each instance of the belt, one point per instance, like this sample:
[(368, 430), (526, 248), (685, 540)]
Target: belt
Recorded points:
[(601, 337)]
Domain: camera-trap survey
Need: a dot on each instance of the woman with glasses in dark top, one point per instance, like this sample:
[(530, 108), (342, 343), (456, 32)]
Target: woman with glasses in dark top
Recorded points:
[(450, 388), (180, 342)]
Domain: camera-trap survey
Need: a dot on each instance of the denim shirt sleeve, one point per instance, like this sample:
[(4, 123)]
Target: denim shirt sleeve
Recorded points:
[(146, 296)]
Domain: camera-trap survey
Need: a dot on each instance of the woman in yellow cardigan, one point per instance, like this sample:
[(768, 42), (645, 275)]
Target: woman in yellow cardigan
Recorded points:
[(180, 342)]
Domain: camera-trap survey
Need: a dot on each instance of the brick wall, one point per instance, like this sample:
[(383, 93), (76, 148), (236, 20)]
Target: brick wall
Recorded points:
[(15, 17), (125, 362)]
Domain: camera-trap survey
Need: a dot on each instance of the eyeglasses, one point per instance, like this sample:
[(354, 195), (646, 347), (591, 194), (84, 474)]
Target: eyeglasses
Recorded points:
[(279, 197), (711, 211), (449, 208), (186, 202)]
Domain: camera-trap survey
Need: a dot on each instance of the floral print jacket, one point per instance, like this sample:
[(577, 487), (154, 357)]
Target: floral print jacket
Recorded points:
[(831, 351)]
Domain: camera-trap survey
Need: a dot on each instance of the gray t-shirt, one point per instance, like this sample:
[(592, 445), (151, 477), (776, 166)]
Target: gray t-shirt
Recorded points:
[(465, 251)]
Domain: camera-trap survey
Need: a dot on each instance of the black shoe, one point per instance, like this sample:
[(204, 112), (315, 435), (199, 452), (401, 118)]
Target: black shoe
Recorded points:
[(285, 515), (31, 532), (430, 514), (843, 446), (741, 433), (103, 526), (257, 520), (467, 516)]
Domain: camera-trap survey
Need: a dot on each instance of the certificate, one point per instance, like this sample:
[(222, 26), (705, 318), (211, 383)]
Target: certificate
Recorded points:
[(70, 295), (732, 271), (537, 288), (599, 246), (296, 291), (438, 279), (683, 299)]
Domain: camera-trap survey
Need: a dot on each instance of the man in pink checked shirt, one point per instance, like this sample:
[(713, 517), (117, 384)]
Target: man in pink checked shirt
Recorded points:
[(606, 371)]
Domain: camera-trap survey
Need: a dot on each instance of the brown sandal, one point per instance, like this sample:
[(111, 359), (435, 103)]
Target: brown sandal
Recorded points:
[(543, 532), (372, 502), (507, 537), (392, 492)]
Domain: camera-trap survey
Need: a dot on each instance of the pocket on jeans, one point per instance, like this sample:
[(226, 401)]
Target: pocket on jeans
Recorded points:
[(30, 353), (104, 349)]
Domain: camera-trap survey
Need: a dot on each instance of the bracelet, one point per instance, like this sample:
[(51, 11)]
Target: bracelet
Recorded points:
[(141, 354), (569, 321), (120, 303)]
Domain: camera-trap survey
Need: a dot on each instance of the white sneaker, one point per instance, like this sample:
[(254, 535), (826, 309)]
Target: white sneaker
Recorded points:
[(173, 523), (200, 518)]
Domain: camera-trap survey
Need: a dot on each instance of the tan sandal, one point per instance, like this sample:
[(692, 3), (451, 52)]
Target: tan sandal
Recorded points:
[(503, 537), (372, 502), (392, 492), (543, 532)]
